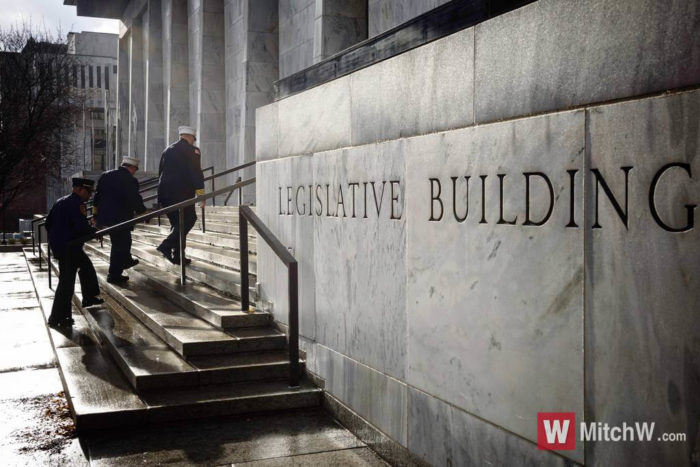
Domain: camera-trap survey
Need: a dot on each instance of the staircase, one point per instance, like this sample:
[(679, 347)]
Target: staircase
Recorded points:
[(186, 351)]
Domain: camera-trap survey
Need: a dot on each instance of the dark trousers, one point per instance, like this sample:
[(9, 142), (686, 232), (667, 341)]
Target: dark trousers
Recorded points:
[(121, 251), (172, 241), (68, 265)]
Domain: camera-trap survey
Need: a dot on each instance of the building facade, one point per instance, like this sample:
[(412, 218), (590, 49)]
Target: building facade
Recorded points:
[(491, 202)]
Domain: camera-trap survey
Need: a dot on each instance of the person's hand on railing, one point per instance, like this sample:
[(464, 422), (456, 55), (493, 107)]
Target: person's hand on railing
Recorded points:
[(202, 204)]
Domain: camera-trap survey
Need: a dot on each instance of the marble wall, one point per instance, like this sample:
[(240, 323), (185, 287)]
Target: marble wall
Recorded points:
[(251, 68), (338, 24), (450, 333), (175, 67), (137, 106), (296, 35), (153, 79), (387, 14)]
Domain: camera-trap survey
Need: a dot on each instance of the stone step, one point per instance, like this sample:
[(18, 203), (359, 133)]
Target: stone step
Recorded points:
[(211, 226), (209, 238), (223, 280), (188, 335), (216, 255), (149, 363), (100, 396), (198, 299)]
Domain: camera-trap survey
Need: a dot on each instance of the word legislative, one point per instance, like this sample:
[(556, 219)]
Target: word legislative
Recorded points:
[(353, 200), (456, 191)]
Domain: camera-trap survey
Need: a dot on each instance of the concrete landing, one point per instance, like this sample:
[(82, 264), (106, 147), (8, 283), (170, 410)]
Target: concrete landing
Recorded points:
[(35, 430)]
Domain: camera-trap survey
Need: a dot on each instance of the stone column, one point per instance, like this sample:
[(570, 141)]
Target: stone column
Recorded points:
[(153, 67), (175, 68), (123, 98), (252, 59), (207, 90), (136, 136), (338, 24)]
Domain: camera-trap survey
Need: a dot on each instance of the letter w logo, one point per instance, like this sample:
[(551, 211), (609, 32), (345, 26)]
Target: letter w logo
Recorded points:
[(556, 431)]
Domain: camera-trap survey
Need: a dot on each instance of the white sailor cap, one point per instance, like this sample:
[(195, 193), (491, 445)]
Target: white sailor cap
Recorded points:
[(131, 161), (187, 130)]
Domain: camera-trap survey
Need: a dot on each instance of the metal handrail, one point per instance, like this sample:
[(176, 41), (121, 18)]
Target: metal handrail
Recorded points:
[(38, 219), (246, 215), (157, 179), (157, 213)]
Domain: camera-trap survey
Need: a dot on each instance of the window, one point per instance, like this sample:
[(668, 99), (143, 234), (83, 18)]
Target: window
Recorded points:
[(82, 76), (114, 69), (107, 78), (99, 76), (90, 76), (75, 76)]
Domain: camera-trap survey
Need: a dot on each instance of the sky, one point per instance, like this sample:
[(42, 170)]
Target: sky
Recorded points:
[(51, 15)]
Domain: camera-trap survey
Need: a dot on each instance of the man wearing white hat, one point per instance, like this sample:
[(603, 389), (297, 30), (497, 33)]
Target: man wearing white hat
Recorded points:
[(181, 178), (116, 201)]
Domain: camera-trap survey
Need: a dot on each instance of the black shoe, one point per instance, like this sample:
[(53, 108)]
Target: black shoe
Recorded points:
[(177, 261), (166, 252), (62, 323), (131, 263), (117, 279), (92, 301)]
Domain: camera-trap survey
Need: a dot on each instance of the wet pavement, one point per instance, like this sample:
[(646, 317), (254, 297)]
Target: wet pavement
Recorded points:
[(37, 429)]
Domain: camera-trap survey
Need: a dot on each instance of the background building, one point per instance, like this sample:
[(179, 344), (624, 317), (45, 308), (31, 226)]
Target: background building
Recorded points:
[(94, 81)]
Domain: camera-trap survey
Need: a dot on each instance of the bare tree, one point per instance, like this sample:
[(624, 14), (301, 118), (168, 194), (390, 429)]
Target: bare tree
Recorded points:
[(37, 107)]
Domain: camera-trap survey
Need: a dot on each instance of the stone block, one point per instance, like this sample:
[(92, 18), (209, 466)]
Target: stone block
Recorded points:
[(212, 101), (340, 32), (489, 302), (255, 100), (213, 53), (379, 399), (346, 8), (295, 232), (441, 434), (212, 127), (261, 76), (266, 132), (554, 55), (643, 281), (360, 277), (263, 47), (262, 16), (425, 90), (316, 120)]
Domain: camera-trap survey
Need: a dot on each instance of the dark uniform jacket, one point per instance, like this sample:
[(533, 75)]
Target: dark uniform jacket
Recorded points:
[(180, 173), (117, 197), (67, 221)]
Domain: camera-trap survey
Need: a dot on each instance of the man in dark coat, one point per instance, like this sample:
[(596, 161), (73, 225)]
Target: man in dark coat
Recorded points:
[(66, 222), (116, 201), (181, 178)]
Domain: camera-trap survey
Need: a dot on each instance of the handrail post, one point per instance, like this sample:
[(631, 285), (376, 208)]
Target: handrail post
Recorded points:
[(48, 260), (204, 220), (243, 250), (181, 222), (240, 193), (213, 198), (293, 325), (33, 250), (39, 235)]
